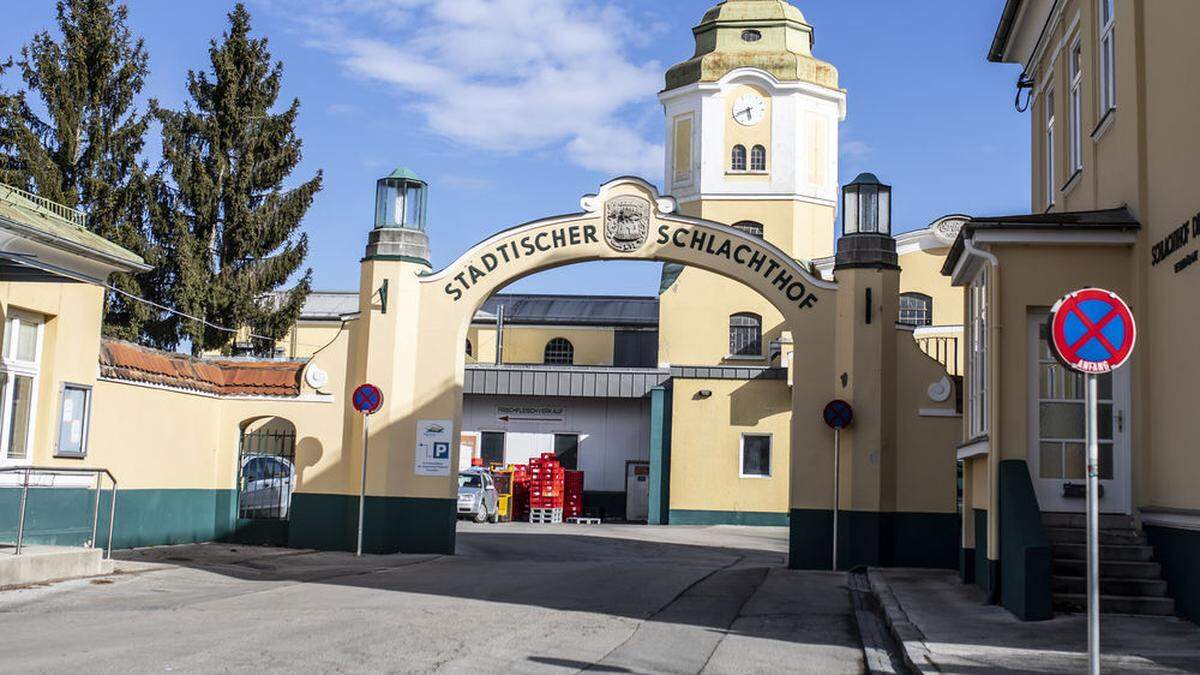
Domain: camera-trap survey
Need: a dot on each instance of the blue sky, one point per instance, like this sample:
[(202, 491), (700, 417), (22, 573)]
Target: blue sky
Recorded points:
[(513, 109)]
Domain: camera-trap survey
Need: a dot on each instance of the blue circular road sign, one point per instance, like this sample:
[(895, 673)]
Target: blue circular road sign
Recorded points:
[(838, 414), (367, 399)]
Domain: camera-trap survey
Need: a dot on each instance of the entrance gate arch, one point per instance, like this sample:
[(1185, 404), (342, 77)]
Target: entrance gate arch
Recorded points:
[(410, 339)]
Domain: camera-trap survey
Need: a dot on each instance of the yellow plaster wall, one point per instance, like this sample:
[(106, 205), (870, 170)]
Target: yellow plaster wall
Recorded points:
[(738, 134), (70, 344), (921, 272), (705, 445), (527, 344), (925, 468)]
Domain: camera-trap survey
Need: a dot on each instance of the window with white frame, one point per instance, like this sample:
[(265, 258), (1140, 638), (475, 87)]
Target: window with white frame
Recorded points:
[(756, 456), (916, 309), (1108, 57), (74, 417), (977, 363), (745, 334), (1051, 188), (1076, 103), (738, 160), (19, 368), (758, 158)]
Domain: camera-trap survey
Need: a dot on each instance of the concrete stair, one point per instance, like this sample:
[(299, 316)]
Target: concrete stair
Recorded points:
[(1130, 580), (40, 564)]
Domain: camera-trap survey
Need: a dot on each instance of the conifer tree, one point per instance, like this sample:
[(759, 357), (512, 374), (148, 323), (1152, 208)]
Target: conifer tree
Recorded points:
[(228, 227), (86, 151)]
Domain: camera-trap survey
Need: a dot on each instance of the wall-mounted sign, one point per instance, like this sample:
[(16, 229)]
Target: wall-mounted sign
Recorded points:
[(1092, 331), (432, 456), (1175, 241), (529, 413)]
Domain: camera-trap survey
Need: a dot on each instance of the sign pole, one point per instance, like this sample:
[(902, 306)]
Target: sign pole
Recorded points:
[(1093, 526), (362, 489), (1093, 332), (837, 486)]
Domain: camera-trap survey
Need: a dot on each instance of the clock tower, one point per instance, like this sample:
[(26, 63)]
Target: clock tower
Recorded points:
[(752, 126)]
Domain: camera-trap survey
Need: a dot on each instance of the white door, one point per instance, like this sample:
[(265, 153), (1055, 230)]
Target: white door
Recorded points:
[(1057, 448), (637, 491)]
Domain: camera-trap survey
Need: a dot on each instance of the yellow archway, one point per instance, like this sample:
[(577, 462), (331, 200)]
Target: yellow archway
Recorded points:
[(412, 348)]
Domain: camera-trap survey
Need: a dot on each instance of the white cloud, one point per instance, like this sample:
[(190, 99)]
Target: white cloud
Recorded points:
[(507, 75), (854, 149)]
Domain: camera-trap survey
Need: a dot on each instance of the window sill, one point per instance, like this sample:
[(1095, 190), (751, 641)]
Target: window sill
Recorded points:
[(743, 357), (754, 476), (1105, 124), (1072, 182), (747, 173), (70, 456)]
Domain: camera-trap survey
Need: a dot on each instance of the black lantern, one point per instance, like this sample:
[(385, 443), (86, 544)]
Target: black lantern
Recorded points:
[(400, 201), (867, 206)]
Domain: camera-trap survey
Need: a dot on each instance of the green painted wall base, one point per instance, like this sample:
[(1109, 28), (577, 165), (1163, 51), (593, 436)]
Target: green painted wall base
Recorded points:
[(873, 539), (987, 572), (329, 522), (1179, 553), (1025, 562), (660, 454), (755, 518), (966, 565), (63, 516)]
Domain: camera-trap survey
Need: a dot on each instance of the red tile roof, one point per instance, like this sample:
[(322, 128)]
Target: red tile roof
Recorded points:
[(224, 377)]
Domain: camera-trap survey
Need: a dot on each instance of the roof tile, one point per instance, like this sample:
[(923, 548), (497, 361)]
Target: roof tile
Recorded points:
[(223, 377)]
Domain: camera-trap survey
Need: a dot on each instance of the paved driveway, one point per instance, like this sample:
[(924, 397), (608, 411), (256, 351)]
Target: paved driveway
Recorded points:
[(517, 598)]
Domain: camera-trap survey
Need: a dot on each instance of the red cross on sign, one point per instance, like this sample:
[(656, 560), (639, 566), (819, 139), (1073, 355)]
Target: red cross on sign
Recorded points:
[(1092, 331)]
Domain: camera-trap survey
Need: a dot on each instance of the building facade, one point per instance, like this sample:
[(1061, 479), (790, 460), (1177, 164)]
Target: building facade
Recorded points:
[(764, 314), (1114, 149)]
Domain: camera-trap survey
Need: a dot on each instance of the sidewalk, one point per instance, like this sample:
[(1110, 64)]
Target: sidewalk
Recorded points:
[(945, 626)]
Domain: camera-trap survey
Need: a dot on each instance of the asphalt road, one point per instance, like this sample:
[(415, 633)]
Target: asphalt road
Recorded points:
[(517, 598)]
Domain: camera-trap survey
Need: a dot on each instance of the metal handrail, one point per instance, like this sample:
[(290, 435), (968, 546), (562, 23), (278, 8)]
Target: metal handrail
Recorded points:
[(55, 470), (61, 210)]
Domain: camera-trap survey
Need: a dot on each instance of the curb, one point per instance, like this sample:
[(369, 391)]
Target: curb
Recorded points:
[(881, 655), (913, 649)]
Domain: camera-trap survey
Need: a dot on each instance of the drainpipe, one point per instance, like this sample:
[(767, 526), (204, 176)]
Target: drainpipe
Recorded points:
[(499, 333), (994, 433)]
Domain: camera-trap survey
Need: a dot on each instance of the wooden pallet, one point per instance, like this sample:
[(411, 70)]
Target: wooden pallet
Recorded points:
[(581, 520), (545, 516)]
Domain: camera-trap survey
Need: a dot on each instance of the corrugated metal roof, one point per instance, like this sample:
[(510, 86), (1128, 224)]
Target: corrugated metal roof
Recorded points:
[(728, 373), (578, 310), (581, 310), (573, 381), (329, 305)]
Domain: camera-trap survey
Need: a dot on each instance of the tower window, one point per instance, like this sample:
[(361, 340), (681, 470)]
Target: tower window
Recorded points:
[(745, 334), (751, 35), (758, 158), (750, 227), (560, 352), (916, 309), (739, 158), (470, 351)]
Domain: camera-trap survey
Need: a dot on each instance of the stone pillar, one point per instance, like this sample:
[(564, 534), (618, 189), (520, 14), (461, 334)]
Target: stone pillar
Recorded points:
[(868, 279)]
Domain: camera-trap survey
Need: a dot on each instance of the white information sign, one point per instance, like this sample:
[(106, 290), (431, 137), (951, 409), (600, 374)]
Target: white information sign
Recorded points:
[(433, 453)]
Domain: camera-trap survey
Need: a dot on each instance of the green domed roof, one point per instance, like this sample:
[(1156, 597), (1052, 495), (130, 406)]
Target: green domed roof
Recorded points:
[(770, 35), (743, 10)]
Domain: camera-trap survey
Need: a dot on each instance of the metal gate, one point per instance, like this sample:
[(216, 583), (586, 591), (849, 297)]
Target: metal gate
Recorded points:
[(267, 474)]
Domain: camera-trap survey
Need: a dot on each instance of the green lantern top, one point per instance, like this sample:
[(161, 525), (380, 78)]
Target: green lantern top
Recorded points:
[(400, 201)]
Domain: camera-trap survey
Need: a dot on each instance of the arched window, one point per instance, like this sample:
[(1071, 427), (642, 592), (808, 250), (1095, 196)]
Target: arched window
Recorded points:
[(916, 309), (739, 158), (745, 334), (559, 351), (750, 227), (758, 158), (470, 351)]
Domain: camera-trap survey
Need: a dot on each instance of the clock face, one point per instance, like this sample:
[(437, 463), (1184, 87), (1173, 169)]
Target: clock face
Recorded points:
[(749, 109)]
